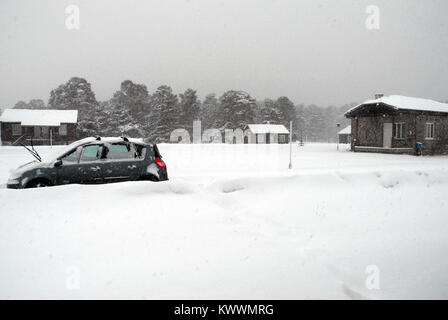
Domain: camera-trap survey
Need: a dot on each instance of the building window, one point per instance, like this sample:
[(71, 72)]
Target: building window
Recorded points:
[(398, 131), (430, 131), (16, 129), (63, 130), (37, 132), (282, 138)]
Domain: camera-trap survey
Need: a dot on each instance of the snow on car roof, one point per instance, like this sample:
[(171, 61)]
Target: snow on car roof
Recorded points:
[(39, 117), (268, 128), (407, 103), (346, 130)]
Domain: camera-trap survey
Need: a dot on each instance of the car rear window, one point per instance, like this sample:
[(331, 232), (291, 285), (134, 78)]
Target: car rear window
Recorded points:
[(119, 151)]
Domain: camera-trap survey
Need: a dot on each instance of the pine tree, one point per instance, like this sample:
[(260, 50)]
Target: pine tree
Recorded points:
[(164, 114), (128, 109), (286, 110), (269, 112), (35, 104), (236, 110), (77, 94), (209, 111), (189, 109)]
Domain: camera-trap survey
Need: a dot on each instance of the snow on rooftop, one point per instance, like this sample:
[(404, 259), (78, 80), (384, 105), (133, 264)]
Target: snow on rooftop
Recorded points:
[(407, 103), (29, 117), (346, 130), (268, 128)]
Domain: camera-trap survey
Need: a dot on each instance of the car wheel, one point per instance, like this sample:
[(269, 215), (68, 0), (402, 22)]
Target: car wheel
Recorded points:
[(38, 184), (149, 178)]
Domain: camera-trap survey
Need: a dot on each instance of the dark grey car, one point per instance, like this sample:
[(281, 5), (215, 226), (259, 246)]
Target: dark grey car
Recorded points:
[(94, 160)]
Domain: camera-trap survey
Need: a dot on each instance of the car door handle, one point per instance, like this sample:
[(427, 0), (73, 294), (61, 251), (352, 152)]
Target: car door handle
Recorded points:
[(95, 168)]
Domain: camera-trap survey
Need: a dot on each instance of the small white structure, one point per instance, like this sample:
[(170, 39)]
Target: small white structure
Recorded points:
[(345, 134), (269, 133)]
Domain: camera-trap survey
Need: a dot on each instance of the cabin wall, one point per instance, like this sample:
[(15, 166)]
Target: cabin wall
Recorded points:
[(367, 131), (28, 132), (438, 145)]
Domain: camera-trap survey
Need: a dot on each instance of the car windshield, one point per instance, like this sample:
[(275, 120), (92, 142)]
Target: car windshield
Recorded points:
[(59, 152)]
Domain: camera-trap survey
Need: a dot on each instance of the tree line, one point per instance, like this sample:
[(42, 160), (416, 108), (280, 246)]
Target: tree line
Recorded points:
[(133, 111)]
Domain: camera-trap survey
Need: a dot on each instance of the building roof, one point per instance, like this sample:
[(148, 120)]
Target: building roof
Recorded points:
[(268, 128), (346, 130), (406, 103), (29, 117)]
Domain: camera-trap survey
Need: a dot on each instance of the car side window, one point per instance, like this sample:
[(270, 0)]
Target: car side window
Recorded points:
[(91, 153), (71, 158), (120, 151), (140, 151)]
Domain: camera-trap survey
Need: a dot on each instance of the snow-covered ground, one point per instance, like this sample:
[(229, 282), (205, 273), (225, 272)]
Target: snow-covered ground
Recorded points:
[(233, 223)]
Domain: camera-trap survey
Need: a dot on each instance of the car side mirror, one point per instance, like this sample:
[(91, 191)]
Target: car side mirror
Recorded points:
[(58, 163)]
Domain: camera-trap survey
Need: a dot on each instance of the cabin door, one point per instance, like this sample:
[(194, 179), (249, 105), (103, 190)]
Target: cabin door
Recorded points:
[(387, 135)]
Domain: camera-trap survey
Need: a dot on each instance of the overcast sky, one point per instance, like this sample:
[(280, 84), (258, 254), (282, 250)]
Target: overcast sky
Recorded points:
[(311, 51)]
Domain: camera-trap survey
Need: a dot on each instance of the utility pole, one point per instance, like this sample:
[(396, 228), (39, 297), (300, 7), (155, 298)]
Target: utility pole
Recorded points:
[(338, 125), (290, 145)]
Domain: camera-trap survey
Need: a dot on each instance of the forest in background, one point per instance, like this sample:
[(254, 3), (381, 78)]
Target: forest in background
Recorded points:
[(133, 111)]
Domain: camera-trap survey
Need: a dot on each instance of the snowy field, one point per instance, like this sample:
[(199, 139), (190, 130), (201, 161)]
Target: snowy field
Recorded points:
[(233, 223)]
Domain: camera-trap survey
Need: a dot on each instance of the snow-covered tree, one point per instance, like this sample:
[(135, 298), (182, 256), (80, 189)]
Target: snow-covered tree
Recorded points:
[(286, 111), (77, 94), (209, 111), (128, 109), (236, 109), (269, 112), (33, 104), (164, 114), (189, 109)]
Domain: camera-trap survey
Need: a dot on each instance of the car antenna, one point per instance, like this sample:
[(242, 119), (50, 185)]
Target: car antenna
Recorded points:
[(33, 151)]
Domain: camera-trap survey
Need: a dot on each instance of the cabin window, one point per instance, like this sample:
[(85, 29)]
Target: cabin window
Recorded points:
[(37, 132), (45, 132), (398, 131), (430, 131), (16, 129), (63, 130)]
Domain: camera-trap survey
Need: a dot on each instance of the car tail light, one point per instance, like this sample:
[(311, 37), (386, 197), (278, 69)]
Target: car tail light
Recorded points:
[(160, 163)]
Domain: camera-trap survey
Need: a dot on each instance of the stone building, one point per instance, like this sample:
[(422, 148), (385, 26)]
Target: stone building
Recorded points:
[(397, 124)]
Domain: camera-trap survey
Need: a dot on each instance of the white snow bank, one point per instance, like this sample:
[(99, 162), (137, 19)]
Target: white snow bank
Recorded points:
[(234, 223)]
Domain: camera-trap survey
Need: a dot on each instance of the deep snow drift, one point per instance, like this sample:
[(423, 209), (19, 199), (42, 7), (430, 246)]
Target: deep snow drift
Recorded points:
[(233, 222)]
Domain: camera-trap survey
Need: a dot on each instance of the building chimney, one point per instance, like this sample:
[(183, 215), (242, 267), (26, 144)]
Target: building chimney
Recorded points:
[(378, 96)]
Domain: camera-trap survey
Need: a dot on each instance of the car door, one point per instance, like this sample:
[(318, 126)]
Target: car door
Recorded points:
[(91, 164), (122, 162), (67, 172)]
